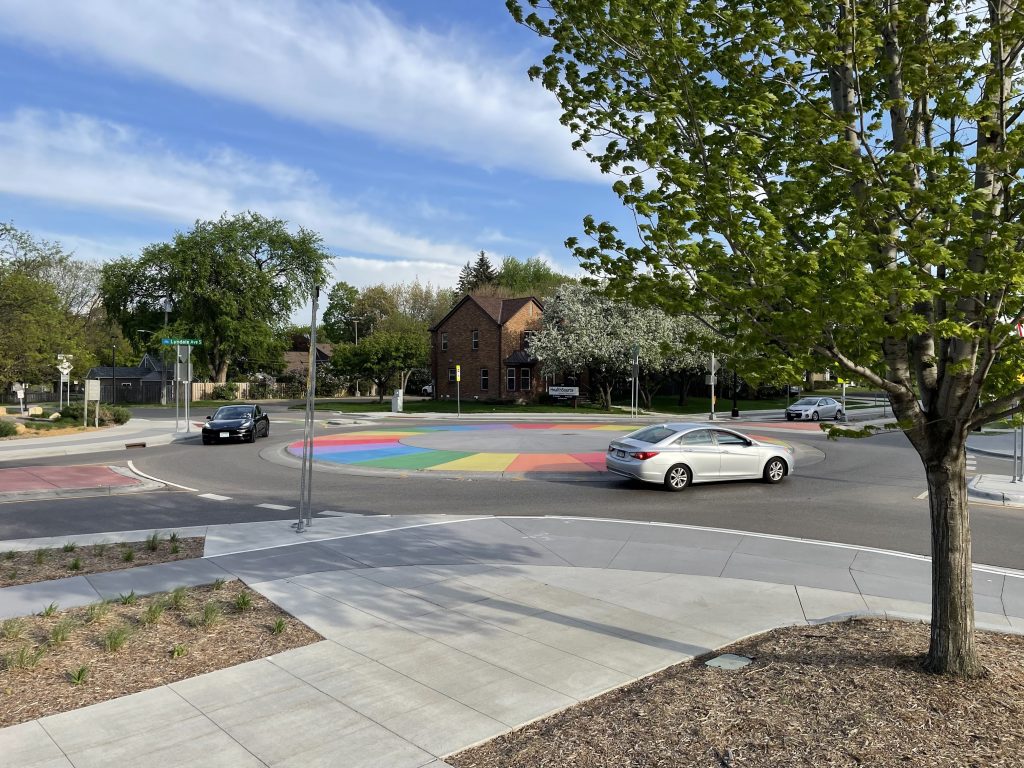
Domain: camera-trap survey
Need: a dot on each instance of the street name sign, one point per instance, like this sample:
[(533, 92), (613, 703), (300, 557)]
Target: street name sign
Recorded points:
[(182, 342)]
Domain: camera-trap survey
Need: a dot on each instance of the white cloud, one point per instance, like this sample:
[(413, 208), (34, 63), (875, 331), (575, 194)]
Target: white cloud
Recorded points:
[(345, 63), (361, 272), (80, 161)]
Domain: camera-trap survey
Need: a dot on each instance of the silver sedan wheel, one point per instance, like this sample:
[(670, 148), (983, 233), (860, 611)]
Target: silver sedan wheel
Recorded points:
[(677, 478), (774, 470), (814, 416)]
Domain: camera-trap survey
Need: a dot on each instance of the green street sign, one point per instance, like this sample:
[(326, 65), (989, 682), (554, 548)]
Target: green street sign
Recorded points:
[(182, 342)]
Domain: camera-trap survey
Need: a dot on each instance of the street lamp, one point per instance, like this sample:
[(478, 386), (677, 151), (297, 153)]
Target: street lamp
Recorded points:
[(735, 410), (113, 370)]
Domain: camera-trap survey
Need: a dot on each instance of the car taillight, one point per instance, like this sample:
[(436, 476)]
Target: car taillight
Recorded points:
[(644, 455)]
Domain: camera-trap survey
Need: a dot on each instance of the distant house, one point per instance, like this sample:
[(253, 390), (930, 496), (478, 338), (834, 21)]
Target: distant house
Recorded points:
[(139, 384), (296, 359), (490, 339)]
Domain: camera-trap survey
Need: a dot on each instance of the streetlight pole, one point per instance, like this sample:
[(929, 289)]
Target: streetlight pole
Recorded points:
[(355, 322), (113, 371), (735, 410)]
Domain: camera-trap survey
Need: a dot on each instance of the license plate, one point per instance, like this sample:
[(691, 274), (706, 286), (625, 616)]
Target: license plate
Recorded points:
[(621, 454), (225, 434)]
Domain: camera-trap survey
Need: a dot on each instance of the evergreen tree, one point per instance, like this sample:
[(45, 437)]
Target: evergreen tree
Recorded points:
[(465, 281), (483, 271)]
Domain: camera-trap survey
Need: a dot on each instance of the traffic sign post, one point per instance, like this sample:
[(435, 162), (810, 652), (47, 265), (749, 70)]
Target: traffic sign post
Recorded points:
[(458, 391), (843, 382), (92, 392), (712, 380), (19, 390)]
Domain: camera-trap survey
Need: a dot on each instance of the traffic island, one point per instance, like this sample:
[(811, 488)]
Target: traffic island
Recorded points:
[(851, 693), (32, 483)]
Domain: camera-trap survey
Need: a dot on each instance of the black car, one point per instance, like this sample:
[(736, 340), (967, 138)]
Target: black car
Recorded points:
[(242, 422)]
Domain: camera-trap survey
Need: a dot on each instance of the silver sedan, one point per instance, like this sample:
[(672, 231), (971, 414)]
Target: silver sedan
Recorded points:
[(815, 408), (680, 454)]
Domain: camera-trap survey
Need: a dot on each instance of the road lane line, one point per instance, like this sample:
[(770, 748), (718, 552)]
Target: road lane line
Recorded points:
[(214, 497), (278, 507), (140, 473)]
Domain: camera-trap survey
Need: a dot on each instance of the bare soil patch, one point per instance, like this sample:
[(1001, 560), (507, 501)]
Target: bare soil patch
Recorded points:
[(74, 560), (848, 694), (41, 672)]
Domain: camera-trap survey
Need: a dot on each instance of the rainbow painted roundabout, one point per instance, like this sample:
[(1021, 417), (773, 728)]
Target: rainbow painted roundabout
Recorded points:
[(504, 448)]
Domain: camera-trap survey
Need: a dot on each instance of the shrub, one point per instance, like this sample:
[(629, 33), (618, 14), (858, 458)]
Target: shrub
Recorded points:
[(128, 555), (7, 429), (24, 658), (78, 676), (12, 629), (153, 612), (153, 541), (96, 611), (70, 546), (73, 411), (178, 598), (227, 391), (278, 626), (61, 631), (49, 610), (116, 414), (243, 602), (178, 651)]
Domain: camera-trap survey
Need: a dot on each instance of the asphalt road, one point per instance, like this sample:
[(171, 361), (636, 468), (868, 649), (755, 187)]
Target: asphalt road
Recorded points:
[(864, 492)]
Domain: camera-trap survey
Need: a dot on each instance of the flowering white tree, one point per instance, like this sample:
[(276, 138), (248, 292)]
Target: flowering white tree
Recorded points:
[(585, 330)]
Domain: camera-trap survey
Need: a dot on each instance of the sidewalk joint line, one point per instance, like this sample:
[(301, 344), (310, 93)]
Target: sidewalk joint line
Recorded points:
[(214, 722)]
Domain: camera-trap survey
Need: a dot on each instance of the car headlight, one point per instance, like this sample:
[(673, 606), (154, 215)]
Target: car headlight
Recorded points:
[(247, 423)]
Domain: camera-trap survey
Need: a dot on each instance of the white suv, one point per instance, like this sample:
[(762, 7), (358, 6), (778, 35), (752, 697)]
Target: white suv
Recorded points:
[(428, 390)]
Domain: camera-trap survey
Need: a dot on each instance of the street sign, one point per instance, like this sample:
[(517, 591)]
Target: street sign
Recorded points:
[(458, 373), (840, 381), (92, 389), (182, 342), (712, 380)]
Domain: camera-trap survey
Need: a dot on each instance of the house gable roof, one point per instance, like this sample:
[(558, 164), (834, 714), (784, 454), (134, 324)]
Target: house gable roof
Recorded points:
[(499, 310)]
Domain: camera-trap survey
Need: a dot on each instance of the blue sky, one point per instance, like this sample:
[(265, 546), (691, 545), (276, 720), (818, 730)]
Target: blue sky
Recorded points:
[(406, 132)]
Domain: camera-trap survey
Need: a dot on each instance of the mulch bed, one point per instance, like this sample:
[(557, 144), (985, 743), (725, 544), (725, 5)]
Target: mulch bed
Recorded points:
[(73, 560), (848, 694), (147, 658)]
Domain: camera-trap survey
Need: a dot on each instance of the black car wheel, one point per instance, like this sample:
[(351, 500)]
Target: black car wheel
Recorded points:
[(206, 440), (815, 416), (251, 437)]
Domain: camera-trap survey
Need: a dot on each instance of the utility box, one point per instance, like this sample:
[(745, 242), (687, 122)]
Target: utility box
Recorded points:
[(396, 401)]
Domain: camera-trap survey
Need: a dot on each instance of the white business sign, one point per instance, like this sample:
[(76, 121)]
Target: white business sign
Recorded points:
[(92, 389), (564, 391)]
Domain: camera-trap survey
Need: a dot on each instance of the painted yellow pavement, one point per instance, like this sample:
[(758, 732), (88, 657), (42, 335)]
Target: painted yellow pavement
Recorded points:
[(480, 462)]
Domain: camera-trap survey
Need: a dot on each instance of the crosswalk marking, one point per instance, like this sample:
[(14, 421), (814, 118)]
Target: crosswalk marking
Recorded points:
[(214, 497), (970, 464), (279, 507)]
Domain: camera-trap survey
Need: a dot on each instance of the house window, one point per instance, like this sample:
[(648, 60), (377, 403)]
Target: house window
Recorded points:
[(524, 379), (484, 379), (476, 339), (528, 338), (510, 379), (451, 374), (444, 344)]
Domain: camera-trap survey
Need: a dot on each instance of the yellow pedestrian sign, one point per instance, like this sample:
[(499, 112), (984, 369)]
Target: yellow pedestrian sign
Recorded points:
[(458, 373)]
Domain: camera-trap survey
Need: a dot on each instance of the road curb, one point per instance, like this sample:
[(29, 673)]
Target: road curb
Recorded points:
[(1008, 499)]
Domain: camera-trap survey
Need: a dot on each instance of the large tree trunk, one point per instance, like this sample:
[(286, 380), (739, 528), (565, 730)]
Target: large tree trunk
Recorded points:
[(951, 649)]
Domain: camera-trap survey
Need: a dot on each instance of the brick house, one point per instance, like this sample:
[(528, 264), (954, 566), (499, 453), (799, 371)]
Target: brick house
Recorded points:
[(490, 338)]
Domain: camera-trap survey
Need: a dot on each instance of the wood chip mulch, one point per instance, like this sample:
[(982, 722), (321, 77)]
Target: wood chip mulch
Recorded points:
[(147, 657), (74, 560), (848, 694)]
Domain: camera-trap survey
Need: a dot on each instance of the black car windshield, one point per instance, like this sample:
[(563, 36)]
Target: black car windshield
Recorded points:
[(233, 412), (653, 434), (807, 401)]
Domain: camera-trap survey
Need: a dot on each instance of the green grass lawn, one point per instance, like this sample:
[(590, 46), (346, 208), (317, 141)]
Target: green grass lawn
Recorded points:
[(670, 404)]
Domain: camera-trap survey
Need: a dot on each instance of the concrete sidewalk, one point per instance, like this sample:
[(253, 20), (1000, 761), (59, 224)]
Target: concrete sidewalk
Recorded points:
[(148, 431), (442, 632)]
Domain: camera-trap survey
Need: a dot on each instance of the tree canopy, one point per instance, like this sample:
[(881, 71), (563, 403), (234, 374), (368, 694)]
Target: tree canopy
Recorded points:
[(383, 356), (48, 302), (232, 283), (337, 320), (841, 179)]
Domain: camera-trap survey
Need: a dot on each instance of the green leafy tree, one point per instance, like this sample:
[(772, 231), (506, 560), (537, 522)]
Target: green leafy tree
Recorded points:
[(843, 178), (533, 277), (382, 357), (337, 322), (232, 283), (45, 274)]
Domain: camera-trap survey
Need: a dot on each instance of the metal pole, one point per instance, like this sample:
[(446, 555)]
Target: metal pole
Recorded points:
[(714, 378), (1013, 475), (306, 476), (735, 409), (113, 373), (1020, 475), (187, 394), (177, 375)]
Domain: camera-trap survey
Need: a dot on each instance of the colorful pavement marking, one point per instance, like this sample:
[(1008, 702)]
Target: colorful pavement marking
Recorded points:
[(383, 449)]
